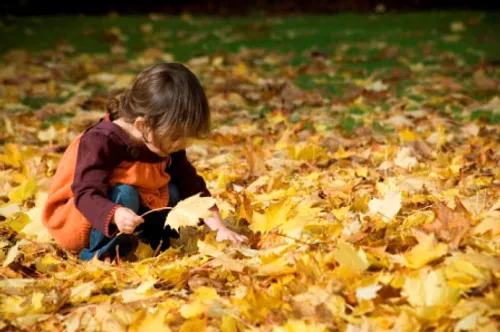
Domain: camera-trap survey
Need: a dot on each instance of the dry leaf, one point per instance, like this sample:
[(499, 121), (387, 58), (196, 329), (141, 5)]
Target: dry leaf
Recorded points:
[(388, 207), (450, 225)]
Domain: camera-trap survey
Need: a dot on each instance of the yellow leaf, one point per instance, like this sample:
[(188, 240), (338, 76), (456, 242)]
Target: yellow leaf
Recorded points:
[(143, 251), (342, 154), (275, 215), (48, 135), (194, 325), (341, 212), (47, 263), (427, 250), (404, 159), (345, 254), (37, 302), (468, 323), (463, 274), (188, 212), (14, 305), (151, 322), (7, 210), (483, 261), (145, 290), (35, 229), (302, 215), (229, 324), (362, 172), (277, 267), (241, 69), (82, 292), (225, 208), (12, 156), (300, 326), (222, 180), (408, 136), (367, 292), (406, 323), (428, 291), (388, 207), (18, 222), (202, 298), (13, 252), (305, 151), (23, 192)]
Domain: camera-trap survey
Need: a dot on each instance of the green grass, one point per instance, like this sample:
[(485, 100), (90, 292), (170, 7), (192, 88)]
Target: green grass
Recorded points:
[(207, 35)]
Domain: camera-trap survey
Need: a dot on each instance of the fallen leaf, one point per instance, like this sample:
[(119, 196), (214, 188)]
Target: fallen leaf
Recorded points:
[(367, 292), (450, 225), (430, 294), (388, 207), (404, 158), (23, 192), (427, 250), (345, 254)]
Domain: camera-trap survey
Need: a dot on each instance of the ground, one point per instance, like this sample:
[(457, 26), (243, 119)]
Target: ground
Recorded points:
[(359, 154)]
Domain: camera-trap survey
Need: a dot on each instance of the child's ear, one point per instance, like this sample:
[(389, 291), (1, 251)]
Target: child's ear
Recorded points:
[(140, 125)]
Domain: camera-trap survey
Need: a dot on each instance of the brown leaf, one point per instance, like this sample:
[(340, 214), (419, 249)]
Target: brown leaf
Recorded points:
[(450, 225)]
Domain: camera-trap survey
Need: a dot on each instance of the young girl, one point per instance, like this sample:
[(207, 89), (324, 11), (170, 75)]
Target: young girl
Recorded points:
[(130, 162)]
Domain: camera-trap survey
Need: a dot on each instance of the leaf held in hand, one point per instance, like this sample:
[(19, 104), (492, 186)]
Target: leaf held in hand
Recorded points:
[(188, 212)]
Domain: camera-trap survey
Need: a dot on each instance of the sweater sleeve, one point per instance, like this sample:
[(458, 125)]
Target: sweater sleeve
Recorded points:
[(184, 175), (98, 155)]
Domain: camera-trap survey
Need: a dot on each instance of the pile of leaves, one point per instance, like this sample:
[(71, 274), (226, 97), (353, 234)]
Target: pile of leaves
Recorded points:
[(377, 209)]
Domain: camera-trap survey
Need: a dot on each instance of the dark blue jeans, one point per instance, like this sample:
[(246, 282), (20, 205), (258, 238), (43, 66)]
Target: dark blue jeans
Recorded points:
[(152, 231)]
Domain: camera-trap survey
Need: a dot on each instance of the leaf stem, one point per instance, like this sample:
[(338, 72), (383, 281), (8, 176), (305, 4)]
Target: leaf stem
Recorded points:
[(155, 210)]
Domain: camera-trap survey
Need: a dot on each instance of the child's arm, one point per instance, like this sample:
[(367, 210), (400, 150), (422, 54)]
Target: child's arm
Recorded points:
[(98, 155), (190, 183)]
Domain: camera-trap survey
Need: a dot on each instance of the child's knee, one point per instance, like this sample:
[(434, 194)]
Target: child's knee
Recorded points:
[(127, 196), (174, 195)]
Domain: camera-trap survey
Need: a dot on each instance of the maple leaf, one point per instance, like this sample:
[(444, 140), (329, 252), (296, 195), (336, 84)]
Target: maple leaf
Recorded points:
[(388, 207), (367, 292), (404, 158), (189, 211), (427, 250), (430, 294), (23, 192), (450, 225), (275, 215), (202, 299), (345, 254)]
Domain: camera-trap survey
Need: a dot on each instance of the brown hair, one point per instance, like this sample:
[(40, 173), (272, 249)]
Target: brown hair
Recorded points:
[(168, 96)]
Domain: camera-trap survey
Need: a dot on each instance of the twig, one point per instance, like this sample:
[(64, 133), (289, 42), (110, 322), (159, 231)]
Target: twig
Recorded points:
[(118, 259), (155, 210), (157, 250)]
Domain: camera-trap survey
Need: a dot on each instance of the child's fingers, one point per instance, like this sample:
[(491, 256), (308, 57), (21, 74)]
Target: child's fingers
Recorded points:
[(242, 238), (128, 229)]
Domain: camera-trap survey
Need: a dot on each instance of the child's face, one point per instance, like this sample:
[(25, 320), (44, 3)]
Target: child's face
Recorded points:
[(174, 141), (168, 144)]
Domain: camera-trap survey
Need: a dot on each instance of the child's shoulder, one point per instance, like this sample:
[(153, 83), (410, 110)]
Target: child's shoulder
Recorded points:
[(105, 131), (103, 138)]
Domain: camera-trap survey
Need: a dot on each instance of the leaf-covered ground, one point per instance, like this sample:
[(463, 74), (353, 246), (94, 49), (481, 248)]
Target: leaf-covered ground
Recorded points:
[(359, 154)]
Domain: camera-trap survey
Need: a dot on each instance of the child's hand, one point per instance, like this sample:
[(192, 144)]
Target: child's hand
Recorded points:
[(225, 233), (126, 220)]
